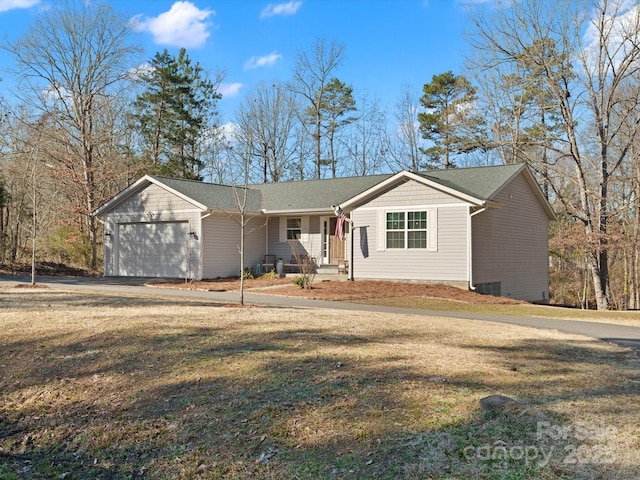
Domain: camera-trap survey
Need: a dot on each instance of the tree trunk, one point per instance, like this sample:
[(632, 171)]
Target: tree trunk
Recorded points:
[(317, 138)]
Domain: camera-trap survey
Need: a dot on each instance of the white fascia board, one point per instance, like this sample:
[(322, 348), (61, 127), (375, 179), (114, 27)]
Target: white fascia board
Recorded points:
[(229, 212), (138, 185), (302, 211), (126, 193), (540, 194), (409, 176)]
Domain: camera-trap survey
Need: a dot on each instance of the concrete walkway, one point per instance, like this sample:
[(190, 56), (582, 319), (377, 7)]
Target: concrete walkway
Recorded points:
[(626, 336)]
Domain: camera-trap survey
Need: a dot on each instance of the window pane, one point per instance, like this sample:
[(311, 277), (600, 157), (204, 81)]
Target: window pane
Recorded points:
[(395, 221), (417, 220), (395, 239), (294, 228), (294, 223), (417, 239)]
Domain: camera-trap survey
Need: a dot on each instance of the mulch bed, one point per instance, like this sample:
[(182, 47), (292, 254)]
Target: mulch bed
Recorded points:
[(346, 290)]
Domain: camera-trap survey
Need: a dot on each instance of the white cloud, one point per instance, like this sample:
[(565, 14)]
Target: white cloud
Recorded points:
[(136, 73), (284, 9), (229, 89), (184, 25), (265, 61), (6, 5)]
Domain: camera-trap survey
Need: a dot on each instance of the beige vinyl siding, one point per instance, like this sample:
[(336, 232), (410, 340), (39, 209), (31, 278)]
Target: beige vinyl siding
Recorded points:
[(310, 243), (412, 193), (152, 199), (447, 264), (510, 244), (221, 252), (165, 207)]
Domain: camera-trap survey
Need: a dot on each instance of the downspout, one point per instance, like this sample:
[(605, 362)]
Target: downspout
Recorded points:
[(470, 246), (351, 232), (104, 247), (205, 214)]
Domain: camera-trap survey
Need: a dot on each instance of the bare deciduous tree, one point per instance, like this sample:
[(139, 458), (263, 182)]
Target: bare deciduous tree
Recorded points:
[(268, 117), (312, 73), (71, 62), (585, 57), (403, 150), (365, 144)]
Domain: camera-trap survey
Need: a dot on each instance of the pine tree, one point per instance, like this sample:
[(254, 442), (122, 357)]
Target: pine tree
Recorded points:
[(173, 113), (335, 105), (448, 101)]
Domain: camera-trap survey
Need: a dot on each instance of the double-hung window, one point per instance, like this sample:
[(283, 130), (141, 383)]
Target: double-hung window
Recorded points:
[(417, 229), (395, 230), (294, 228), (411, 229)]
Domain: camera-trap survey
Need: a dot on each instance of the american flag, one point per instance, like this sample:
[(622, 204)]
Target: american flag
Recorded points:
[(340, 226)]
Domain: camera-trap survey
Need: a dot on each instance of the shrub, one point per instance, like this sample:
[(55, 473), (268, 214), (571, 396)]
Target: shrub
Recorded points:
[(248, 274), (270, 275), (68, 245)]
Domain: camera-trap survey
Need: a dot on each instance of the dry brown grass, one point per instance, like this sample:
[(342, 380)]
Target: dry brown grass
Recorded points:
[(112, 386)]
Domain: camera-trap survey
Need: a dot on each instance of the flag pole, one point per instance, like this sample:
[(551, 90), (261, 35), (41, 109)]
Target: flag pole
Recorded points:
[(339, 213)]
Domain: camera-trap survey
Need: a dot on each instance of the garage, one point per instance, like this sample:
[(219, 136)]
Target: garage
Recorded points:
[(156, 249)]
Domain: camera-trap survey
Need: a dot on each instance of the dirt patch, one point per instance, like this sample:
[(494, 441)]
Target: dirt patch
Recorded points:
[(348, 290), (48, 269)]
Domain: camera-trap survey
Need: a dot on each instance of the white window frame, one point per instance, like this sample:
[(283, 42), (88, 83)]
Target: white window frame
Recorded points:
[(304, 228), (431, 229), (297, 228)]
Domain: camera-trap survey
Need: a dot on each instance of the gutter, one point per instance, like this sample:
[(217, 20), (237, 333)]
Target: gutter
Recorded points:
[(303, 211)]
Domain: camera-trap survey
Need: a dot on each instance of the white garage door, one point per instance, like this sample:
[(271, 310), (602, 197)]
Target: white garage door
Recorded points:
[(153, 249)]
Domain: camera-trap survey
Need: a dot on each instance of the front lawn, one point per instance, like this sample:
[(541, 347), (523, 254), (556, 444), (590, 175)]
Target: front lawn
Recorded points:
[(113, 386)]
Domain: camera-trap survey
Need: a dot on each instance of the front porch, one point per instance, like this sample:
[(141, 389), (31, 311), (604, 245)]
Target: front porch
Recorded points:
[(326, 272)]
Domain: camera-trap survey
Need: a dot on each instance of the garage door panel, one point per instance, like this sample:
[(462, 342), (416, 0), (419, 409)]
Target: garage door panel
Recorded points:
[(153, 249)]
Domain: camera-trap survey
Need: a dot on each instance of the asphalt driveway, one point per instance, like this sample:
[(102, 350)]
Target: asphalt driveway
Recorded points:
[(626, 336)]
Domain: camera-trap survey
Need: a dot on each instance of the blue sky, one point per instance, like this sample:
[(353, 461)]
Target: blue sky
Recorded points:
[(389, 43)]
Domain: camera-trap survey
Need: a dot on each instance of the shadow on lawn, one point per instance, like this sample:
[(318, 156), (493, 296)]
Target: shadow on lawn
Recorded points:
[(36, 300), (198, 402)]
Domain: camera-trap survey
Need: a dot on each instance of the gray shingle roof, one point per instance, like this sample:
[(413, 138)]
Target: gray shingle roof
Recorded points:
[(212, 195), (477, 182), (314, 194)]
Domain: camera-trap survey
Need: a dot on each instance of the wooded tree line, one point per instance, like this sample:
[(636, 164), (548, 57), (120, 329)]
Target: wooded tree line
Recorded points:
[(552, 84)]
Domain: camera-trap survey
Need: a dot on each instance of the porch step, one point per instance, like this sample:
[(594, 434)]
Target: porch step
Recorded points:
[(327, 270)]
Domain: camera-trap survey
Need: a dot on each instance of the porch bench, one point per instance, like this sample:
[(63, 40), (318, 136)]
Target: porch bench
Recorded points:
[(268, 263), (293, 266)]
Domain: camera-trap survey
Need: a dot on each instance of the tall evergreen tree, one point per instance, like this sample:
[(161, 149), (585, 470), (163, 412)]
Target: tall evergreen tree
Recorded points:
[(335, 107), (173, 112), (448, 100)]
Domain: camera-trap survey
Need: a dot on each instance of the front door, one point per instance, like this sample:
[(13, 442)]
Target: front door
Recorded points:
[(333, 248)]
